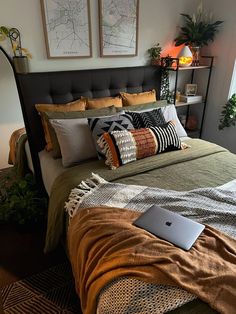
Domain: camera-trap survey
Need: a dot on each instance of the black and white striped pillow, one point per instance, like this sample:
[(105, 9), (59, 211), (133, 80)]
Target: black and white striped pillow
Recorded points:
[(147, 119), (167, 137)]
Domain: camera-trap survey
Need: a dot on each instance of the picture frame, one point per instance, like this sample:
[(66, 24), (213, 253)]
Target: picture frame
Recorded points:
[(191, 89), (118, 28), (67, 28)]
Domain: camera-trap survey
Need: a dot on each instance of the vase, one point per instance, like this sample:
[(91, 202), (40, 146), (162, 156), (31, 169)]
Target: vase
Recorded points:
[(196, 55), (21, 64)]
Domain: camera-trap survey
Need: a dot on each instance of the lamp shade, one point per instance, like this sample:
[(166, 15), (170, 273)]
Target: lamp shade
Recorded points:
[(185, 57)]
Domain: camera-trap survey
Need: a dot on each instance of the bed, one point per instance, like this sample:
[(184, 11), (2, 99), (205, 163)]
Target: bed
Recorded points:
[(160, 178)]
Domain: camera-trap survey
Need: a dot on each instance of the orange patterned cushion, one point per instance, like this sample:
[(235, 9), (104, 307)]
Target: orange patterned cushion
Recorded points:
[(122, 147), (137, 99), (77, 105)]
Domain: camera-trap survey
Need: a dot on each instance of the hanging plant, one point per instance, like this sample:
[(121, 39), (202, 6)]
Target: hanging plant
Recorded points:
[(165, 81), (228, 114)]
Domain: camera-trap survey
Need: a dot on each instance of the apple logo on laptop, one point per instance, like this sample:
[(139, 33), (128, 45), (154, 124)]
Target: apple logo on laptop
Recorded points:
[(168, 223)]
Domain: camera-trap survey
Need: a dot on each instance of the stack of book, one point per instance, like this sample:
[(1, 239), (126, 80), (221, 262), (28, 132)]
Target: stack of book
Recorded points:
[(191, 99)]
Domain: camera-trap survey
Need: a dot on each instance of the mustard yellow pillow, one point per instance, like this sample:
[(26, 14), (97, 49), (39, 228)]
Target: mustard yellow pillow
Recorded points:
[(97, 103), (139, 98), (77, 105)]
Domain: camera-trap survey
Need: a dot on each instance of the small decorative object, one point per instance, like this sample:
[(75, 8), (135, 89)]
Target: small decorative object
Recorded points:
[(67, 28), (118, 22), (198, 31), (20, 54), (191, 89), (191, 123), (155, 54), (185, 57), (228, 114)]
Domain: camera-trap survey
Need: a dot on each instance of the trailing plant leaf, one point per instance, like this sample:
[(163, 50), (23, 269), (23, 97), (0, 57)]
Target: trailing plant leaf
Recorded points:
[(228, 114)]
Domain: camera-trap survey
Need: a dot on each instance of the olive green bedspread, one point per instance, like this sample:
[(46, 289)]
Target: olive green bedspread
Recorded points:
[(203, 164)]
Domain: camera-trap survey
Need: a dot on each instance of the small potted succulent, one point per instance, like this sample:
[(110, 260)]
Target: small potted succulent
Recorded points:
[(20, 54), (155, 54)]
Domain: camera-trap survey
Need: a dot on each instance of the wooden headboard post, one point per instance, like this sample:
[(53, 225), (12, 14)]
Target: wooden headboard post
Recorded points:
[(65, 86)]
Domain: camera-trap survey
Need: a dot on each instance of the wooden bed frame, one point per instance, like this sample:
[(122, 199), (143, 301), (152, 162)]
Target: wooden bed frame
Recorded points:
[(65, 86)]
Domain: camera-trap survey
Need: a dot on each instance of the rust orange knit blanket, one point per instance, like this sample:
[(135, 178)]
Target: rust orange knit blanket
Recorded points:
[(103, 245)]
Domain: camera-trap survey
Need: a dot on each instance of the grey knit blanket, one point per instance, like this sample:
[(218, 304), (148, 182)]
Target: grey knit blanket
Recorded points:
[(213, 206)]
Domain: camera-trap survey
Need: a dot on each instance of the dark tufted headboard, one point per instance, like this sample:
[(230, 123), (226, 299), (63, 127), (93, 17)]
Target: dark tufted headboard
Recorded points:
[(65, 86)]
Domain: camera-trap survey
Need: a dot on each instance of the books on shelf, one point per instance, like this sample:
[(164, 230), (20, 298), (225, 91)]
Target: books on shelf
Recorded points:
[(191, 99)]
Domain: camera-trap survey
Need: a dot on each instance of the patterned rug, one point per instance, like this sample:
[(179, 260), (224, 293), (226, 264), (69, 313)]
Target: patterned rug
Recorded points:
[(51, 291)]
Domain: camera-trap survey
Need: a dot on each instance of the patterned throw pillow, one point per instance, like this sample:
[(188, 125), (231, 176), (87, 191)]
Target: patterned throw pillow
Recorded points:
[(147, 119), (122, 147), (99, 126)]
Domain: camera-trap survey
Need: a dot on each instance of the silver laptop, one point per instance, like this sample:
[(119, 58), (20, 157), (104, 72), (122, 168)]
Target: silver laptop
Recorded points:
[(170, 226)]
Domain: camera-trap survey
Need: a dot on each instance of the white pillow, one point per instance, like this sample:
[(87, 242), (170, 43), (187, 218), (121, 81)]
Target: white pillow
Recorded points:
[(169, 113), (75, 140)]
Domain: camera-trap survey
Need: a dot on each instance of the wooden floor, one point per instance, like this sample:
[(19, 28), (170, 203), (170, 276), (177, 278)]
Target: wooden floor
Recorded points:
[(21, 254)]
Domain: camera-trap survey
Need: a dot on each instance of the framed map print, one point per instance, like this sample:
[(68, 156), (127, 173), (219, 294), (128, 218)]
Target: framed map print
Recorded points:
[(67, 28), (118, 23)]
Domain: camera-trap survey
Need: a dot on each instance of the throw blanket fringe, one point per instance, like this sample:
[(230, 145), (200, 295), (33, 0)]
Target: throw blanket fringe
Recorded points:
[(78, 194)]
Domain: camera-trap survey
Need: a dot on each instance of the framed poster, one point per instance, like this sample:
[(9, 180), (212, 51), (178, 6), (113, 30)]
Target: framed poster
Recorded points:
[(67, 28), (118, 23)]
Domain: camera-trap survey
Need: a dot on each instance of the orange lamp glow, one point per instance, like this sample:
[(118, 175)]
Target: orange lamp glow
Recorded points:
[(185, 57)]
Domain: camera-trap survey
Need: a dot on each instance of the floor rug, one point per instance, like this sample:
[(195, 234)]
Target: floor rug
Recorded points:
[(51, 291)]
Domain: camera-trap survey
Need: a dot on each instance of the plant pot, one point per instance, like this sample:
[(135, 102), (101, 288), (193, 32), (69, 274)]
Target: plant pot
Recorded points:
[(155, 62), (21, 64), (196, 55)]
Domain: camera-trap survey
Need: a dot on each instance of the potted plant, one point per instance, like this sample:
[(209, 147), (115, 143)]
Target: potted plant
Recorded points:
[(155, 54), (20, 54), (21, 203), (198, 30), (228, 114)]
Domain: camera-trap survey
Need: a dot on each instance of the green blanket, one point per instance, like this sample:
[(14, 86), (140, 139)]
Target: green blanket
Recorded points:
[(203, 164)]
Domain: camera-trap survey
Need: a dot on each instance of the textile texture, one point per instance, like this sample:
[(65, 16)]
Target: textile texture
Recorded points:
[(204, 164), (99, 126), (147, 119), (212, 277), (122, 147)]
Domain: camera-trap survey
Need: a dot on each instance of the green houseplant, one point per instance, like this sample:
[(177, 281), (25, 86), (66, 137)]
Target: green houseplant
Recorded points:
[(198, 30), (155, 54), (21, 203), (228, 114)]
